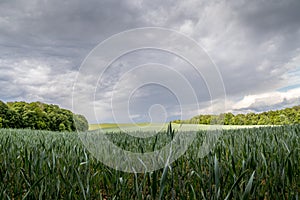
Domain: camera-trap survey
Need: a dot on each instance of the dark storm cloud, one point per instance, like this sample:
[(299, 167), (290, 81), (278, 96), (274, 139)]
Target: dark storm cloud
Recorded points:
[(55, 34), (42, 43), (267, 18), (256, 40), (65, 23), (68, 29)]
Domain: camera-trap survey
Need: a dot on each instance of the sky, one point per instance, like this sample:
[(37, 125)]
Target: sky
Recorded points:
[(46, 50)]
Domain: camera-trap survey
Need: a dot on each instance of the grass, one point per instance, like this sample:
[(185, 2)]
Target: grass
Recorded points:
[(256, 163)]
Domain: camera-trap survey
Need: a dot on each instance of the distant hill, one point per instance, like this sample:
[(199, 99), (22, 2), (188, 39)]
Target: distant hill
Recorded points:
[(41, 116), (285, 116)]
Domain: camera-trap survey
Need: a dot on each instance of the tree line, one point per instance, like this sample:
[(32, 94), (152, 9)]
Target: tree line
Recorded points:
[(40, 116), (285, 116)]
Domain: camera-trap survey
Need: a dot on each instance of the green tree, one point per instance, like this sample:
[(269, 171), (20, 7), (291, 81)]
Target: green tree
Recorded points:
[(228, 118), (3, 114), (62, 127), (37, 115), (81, 124)]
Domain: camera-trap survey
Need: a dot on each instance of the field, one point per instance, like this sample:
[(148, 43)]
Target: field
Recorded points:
[(256, 163), (112, 126), (156, 126)]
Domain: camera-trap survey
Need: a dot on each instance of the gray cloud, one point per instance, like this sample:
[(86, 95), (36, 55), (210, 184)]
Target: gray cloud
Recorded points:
[(255, 44), (252, 42)]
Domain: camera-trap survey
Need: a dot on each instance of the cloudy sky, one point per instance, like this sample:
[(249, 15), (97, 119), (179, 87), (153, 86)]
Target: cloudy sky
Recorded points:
[(255, 46)]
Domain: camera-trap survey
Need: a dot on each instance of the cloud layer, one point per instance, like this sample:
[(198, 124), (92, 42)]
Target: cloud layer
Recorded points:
[(255, 45)]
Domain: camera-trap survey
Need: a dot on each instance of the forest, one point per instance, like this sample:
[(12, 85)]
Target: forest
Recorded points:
[(287, 116), (40, 116)]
